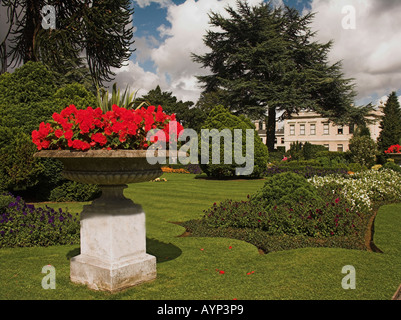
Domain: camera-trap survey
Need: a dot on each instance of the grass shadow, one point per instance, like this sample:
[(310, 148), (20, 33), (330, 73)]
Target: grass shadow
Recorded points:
[(161, 250)]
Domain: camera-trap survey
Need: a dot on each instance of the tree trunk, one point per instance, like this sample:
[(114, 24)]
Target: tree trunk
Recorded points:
[(271, 129), (32, 26)]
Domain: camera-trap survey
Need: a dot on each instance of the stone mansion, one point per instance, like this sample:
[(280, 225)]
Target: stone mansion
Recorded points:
[(313, 128)]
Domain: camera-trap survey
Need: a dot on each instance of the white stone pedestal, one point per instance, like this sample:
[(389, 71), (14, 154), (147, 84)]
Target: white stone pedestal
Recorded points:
[(113, 244)]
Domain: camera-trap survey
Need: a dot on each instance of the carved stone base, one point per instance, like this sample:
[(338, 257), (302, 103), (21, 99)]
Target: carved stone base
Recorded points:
[(113, 244), (112, 276)]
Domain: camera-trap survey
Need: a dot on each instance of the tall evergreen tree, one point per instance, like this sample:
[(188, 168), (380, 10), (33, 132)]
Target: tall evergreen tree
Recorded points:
[(265, 60), (94, 34), (188, 115), (390, 124)]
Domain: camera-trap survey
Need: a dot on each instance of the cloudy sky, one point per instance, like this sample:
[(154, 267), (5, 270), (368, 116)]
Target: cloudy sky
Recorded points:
[(366, 34)]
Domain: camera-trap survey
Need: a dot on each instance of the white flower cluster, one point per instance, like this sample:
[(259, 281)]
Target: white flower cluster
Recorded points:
[(363, 188)]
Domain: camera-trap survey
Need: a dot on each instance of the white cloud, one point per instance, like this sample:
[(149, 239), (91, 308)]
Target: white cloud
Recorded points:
[(277, 3), (371, 53), (188, 24), (136, 78), (145, 3)]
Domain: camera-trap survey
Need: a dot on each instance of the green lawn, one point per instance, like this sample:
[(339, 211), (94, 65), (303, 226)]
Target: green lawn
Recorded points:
[(188, 267)]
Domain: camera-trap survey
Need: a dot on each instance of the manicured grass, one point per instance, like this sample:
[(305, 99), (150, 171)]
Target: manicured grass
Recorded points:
[(188, 267)]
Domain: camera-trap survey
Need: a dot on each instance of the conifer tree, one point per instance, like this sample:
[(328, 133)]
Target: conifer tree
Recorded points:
[(390, 124), (266, 60), (93, 34)]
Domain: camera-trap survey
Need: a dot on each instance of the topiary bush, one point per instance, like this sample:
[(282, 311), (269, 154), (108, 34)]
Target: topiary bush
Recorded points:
[(285, 188), (221, 118), (23, 225)]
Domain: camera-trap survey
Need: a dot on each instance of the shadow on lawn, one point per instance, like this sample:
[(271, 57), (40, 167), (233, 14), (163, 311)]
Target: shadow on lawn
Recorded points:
[(162, 251)]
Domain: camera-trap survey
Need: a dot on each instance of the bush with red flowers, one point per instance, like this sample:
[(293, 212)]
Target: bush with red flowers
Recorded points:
[(394, 149), (89, 128)]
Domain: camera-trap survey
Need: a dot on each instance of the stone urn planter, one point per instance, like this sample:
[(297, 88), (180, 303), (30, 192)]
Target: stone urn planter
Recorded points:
[(396, 157), (113, 234)]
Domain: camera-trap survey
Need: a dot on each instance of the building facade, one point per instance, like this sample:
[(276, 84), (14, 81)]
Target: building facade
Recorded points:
[(311, 127)]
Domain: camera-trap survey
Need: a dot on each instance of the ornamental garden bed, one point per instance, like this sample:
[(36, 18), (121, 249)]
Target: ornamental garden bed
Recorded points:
[(291, 212), (187, 265)]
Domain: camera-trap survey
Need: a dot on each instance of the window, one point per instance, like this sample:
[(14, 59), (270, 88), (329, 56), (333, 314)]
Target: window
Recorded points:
[(292, 130), (340, 130), (340, 148), (282, 140), (351, 129), (260, 125), (313, 129), (327, 146), (302, 129), (326, 128)]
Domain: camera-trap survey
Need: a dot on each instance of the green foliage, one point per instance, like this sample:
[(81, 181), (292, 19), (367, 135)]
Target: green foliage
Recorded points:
[(390, 124), (126, 99), (23, 225), (220, 119), (74, 191), (75, 94), (103, 30), (363, 150), (391, 165), (356, 167), (189, 116), (18, 168), (285, 188), (29, 96), (324, 216)]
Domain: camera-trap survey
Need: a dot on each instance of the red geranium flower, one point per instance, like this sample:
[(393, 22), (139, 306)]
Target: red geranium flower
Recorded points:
[(90, 128)]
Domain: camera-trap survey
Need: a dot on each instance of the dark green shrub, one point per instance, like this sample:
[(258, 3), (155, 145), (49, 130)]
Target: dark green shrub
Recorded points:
[(18, 169), (284, 188), (220, 118), (74, 191), (28, 96), (295, 151), (23, 225), (300, 163), (391, 165), (355, 167), (309, 150), (331, 158), (363, 150)]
